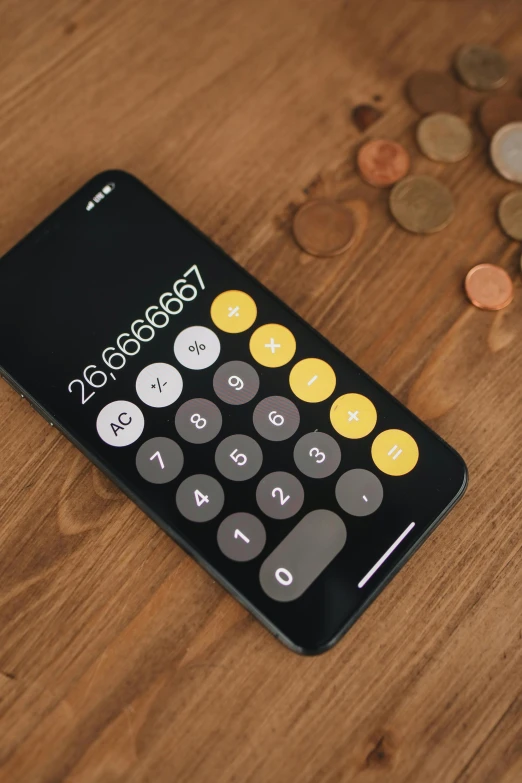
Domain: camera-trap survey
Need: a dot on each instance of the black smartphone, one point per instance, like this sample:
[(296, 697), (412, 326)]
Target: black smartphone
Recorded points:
[(290, 475)]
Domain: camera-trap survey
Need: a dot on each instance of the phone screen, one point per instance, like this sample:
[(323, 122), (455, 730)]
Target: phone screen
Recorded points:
[(288, 473)]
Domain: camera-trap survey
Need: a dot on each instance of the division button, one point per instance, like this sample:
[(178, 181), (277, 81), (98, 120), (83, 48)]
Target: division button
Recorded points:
[(312, 380), (159, 460), (238, 457), (120, 423), (280, 495), (303, 555), (395, 452), (197, 347), (241, 536), (353, 416), (272, 345), (198, 420), (200, 498), (317, 455), (159, 385), (276, 418), (233, 311), (236, 382), (359, 492)]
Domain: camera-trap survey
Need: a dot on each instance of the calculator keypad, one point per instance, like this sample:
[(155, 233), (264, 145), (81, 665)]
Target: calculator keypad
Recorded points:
[(307, 545)]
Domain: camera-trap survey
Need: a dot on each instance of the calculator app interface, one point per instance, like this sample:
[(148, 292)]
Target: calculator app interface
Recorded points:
[(293, 477)]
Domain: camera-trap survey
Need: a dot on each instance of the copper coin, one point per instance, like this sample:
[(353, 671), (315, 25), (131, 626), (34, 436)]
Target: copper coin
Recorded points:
[(481, 67), (444, 137), (382, 162), (430, 91), (506, 151), (323, 227), (365, 115), (489, 287), (422, 204), (510, 215), (499, 110)]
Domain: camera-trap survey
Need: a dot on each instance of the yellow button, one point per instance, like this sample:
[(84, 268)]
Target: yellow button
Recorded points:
[(395, 452), (353, 416), (312, 380), (272, 345), (233, 311)]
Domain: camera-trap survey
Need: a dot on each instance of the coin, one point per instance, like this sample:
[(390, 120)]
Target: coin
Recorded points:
[(430, 91), (323, 227), (365, 115), (382, 162), (499, 110), (444, 137), (422, 204), (488, 287), (510, 214), (506, 151), (481, 67)]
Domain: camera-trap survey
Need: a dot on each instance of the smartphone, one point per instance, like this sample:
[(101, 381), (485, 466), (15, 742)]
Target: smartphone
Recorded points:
[(292, 477)]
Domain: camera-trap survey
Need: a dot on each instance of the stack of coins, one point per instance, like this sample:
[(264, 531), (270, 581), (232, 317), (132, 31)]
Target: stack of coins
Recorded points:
[(423, 204)]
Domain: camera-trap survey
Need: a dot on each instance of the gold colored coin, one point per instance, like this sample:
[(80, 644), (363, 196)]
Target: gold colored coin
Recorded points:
[(353, 416), (395, 452), (506, 151), (444, 137), (312, 380), (430, 91), (510, 215), (422, 204), (481, 67), (323, 227)]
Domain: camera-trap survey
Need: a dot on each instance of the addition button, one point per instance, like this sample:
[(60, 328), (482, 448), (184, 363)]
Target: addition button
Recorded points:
[(303, 555)]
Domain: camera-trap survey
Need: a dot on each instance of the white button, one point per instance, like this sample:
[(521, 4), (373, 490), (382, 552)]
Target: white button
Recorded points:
[(120, 423), (197, 347), (159, 385)]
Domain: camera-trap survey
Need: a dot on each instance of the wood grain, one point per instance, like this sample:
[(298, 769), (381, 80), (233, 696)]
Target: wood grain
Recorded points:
[(120, 660)]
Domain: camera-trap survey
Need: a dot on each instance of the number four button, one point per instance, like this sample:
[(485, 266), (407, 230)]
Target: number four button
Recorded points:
[(200, 498)]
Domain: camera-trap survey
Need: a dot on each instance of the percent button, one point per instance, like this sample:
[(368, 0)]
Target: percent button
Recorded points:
[(197, 347)]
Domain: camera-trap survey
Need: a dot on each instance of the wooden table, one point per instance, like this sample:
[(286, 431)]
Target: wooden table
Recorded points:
[(121, 660)]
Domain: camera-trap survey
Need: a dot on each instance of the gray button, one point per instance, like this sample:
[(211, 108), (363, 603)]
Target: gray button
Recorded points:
[(198, 420), (276, 418), (304, 554), (238, 457), (359, 492), (280, 495), (159, 460), (236, 382), (200, 498), (317, 455), (241, 537)]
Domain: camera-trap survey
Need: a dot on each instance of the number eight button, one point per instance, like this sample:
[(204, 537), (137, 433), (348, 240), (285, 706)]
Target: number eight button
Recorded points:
[(198, 420)]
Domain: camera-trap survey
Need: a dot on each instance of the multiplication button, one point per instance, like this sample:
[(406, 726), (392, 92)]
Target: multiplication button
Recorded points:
[(353, 416), (276, 418), (317, 455), (200, 498), (241, 537), (159, 460), (198, 420), (303, 555), (238, 457), (280, 495), (236, 382)]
